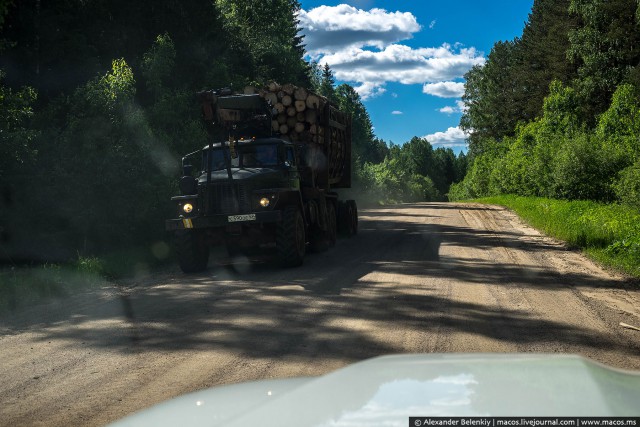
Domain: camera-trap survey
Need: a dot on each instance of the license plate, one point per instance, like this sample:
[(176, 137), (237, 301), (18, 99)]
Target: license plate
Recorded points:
[(238, 218)]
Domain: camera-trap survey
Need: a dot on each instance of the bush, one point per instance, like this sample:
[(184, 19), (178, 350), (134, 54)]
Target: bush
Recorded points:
[(583, 171), (627, 187)]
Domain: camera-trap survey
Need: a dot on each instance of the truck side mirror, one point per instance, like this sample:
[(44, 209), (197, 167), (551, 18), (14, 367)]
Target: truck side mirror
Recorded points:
[(187, 170)]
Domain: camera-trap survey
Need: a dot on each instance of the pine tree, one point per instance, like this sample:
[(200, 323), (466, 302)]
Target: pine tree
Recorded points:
[(543, 50), (327, 83)]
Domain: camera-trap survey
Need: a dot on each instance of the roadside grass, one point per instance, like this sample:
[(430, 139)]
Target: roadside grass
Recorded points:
[(26, 285), (609, 233)]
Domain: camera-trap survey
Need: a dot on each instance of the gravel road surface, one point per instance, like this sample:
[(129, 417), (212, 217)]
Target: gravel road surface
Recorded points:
[(418, 278)]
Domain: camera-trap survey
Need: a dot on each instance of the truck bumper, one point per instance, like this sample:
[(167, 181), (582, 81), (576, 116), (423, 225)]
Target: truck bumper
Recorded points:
[(214, 221)]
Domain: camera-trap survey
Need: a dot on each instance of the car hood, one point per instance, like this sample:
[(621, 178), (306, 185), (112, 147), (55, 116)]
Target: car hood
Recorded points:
[(388, 390)]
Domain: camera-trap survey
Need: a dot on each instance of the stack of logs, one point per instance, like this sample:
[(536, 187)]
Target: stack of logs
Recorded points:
[(297, 112), (300, 116)]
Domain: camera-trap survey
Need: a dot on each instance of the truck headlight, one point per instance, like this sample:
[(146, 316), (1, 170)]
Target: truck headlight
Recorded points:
[(187, 207), (264, 202)]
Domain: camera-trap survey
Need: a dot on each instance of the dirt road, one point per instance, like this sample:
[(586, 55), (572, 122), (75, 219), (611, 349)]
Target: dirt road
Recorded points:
[(418, 278)]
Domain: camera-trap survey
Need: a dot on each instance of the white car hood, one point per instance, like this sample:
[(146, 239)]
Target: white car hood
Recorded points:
[(386, 391)]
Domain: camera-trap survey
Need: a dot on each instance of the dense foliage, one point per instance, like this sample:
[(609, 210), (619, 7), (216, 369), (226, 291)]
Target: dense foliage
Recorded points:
[(556, 113), (97, 106)]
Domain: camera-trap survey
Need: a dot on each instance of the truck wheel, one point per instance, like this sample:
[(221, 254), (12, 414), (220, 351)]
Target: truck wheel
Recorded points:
[(353, 216), (290, 238), (333, 231), (192, 250), (234, 250), (348, 218)]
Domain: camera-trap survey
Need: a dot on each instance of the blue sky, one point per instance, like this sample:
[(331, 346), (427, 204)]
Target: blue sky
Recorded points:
[(407, 58)]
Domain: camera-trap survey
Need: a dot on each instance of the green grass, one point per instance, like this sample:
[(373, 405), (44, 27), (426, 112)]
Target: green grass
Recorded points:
[(22, 286), (609, 233)]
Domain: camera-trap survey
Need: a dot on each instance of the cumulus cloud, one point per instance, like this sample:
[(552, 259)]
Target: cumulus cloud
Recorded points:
[(362, 48), (460, 107), (403, 64), (452, 137), (444, 89), (328, 29), (370, 90), (396, 112), (432, 24)]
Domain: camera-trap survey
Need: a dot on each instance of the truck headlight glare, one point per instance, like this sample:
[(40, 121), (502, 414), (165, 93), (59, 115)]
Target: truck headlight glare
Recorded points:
[(264, 202), (187, 207)]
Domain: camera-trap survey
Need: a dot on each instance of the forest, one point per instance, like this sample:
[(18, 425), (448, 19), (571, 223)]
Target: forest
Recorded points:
[(97, 107), (556, 112)]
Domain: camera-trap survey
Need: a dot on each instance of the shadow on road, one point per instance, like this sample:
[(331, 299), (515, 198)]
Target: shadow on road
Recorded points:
[(308, 313)]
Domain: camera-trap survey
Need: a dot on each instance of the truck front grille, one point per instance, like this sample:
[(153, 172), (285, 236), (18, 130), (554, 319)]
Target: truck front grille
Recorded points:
[(222, 199)]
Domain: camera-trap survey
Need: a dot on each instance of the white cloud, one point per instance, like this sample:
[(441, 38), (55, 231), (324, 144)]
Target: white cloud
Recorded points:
[(397, 112), (444, 89), (432, 24), (362, 48), (452, 137), (328, 29), (403, 64), (460, 107), (370, 90)]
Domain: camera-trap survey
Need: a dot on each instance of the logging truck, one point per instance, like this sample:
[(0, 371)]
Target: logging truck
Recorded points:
[(266, 179)]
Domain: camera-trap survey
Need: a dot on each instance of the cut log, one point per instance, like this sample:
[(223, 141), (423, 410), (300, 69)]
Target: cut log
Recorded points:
[(310, 116), (275, 126), (291, 111), (273, 87), (286, 100), (284, 129), (300, 117), (300, 94), (288, 88), (291, 122), (299, 127), (313, 101), (271, 98), (279, 107), (282, 118), (300, 106)]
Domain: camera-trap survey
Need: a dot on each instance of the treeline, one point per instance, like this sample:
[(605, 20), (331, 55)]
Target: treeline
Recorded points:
[(556, 112), (385, 172), (97, 106)]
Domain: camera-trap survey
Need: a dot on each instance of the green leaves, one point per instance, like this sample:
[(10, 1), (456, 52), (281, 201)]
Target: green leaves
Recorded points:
[(158, 64), (16, 134)]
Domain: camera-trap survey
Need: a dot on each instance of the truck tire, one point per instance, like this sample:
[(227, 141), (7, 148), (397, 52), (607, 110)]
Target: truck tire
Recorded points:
[(192, 250), (290, 238), (333, 226), (353, 216), (348, 218), (322, 240)]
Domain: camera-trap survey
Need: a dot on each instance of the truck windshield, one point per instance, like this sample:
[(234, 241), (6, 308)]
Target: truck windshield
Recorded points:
[(259, 155), (217, 160)]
